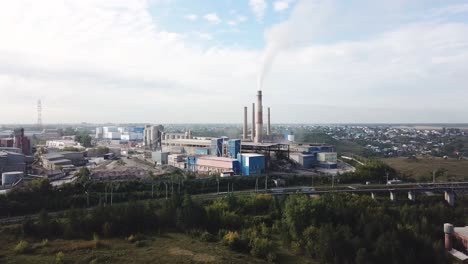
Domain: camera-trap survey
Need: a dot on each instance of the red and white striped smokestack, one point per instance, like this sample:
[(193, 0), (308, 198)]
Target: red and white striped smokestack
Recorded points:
[(268, 122), (252, 136), (244, 135), (259, 129)]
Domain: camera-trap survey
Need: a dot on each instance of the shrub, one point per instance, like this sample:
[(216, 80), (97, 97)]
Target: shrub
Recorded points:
[(231, 239), (107, 229), (207, 237), (96, 241), (132, 238), (44, 242), (262, 248), (60, 258), (94, 261), (22, 247)]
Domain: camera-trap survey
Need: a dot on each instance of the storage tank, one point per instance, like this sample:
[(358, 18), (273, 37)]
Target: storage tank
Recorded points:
[(291, 138), (9, 178)]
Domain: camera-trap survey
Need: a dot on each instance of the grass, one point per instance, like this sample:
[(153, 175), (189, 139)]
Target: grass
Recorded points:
[(169, 248), (422, 168)]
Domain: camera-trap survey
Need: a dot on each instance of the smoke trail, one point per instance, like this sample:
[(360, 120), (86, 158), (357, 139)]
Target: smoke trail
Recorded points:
[(299, 29)]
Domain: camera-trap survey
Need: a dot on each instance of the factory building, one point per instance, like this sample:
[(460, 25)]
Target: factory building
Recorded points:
[(314, 155), (160, 157), (153, 137), (7, 142), (12, 161), (21, 141), (54, 161), (209, 164), (177, 160), (186, 135), (252, 164), (63, 143)]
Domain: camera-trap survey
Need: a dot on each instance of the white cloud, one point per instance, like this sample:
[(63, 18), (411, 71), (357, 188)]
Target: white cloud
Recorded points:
[(191, 17), (232, 23), (258, 7), (212, 18), (80, 57), (280, 6)]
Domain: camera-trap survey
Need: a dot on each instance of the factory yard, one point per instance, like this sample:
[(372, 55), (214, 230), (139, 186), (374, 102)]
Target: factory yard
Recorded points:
[(422, 168)]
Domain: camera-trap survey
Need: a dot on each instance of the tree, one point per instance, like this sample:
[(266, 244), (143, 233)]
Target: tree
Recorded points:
[(84, 139)]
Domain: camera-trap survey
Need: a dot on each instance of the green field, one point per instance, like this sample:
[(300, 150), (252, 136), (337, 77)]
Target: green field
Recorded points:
[(167, 248), (422, 168)]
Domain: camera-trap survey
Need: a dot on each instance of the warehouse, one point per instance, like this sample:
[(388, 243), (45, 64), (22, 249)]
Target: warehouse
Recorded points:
[(252, 164), (207, 165)]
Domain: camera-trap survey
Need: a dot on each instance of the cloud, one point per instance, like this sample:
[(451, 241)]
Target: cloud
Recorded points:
[(232, 23), (242, 18), (212, 18), (258, 8), (80, 57), (191, 17), (282, 5)]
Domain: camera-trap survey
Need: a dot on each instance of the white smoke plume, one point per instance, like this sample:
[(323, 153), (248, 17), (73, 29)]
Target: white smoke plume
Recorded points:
[(306, 20)]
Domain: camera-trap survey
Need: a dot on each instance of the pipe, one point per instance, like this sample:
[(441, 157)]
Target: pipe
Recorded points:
[(245, 123), (259, 128), (268, 122), (253, 123)]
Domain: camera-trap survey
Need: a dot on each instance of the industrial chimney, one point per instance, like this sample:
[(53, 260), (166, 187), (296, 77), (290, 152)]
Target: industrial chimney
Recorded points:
[(244, 136), (268, 122), (253, 122), (259, 128)]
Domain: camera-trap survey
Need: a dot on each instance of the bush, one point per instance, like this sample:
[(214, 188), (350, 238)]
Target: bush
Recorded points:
[(141, 243), (22, 247), (262, 248), (44, 242), (60, 258), (231, 239), (97, 242), (132, 238), (207, 237)]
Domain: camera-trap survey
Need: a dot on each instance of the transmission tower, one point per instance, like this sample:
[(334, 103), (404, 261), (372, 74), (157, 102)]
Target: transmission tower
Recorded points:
[(39, 113)]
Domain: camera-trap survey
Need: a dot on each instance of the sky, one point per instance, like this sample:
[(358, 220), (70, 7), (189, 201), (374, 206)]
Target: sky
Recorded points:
[(181, 61)]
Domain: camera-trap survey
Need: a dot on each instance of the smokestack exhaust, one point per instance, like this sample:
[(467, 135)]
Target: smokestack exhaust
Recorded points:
[(268, 122), (252, 136), (259, 128), (244, 136)]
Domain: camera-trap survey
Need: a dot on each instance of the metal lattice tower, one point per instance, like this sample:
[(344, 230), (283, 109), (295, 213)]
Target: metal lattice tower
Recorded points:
[(39, 113)]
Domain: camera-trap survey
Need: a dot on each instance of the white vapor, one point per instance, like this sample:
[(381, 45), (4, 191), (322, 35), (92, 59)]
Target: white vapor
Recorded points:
[(299, 29)]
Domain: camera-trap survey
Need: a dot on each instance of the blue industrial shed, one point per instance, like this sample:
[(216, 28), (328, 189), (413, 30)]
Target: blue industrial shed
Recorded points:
[(252, 164)]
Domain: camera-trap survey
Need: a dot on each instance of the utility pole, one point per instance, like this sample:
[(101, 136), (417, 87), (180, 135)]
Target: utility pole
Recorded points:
[(433, 176), (256, 184), (166, 189), (266, 182), (217, 180), (152, 190), (386, 173)]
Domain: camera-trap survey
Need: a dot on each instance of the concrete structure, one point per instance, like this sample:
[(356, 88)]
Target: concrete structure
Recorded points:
[(268, 122), (177, 160), (11, 161), (7, 142), (252, 164), (160, 157), (244, 130), (153, 137), (10, 178), (21, 141), (216, 165), (63, 143), (252, 135), (186, 135), (450, 198), (55, 161), (459, 234), (259, 122), (448, 231)]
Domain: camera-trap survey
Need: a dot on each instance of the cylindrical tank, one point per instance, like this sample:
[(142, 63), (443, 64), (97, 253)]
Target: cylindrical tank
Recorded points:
[(9, 178), (291, 138), (448, 230)]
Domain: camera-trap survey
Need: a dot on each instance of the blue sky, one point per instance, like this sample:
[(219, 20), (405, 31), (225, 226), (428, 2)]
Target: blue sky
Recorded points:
[(173, 61)]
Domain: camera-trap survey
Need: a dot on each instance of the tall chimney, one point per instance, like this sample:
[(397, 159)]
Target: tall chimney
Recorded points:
[(268, 122), (253, 123), (244, 136), (259, 128)]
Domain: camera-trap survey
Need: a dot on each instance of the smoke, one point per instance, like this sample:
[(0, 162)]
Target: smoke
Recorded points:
[(306, 20)]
